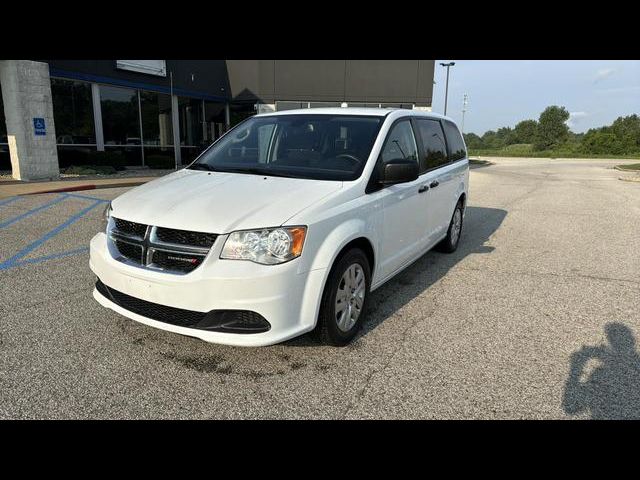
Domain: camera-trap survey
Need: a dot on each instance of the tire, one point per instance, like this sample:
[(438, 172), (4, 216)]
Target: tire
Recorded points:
[(450, 243), (334, 327)]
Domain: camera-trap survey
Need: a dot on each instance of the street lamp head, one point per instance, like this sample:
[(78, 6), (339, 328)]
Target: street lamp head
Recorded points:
[(450, 64)]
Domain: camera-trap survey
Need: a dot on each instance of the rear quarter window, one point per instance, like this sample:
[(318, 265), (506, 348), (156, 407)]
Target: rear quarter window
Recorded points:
[(455, 143)]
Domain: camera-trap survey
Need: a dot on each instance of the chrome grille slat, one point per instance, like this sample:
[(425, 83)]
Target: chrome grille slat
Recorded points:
[(177, 258), (154, 240)]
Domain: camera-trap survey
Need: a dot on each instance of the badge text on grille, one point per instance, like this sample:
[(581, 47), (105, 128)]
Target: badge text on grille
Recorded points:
[(192, 261)]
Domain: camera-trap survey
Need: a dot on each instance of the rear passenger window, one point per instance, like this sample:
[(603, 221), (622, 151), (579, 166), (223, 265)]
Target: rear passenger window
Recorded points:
[(457, 150), (400, 143), (435, 148)]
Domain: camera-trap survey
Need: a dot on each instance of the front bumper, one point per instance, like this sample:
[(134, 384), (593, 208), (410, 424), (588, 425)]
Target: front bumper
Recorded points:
[(287, 298)]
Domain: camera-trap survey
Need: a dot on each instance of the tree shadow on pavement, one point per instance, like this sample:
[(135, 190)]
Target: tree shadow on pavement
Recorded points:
[(479, 224), (612, 389)]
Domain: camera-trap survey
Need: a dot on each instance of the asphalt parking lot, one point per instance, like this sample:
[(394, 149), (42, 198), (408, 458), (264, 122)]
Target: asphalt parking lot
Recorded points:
[(537, 315)]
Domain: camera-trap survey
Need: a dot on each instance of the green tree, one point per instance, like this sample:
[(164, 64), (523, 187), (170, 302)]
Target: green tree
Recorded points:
[(505, 136), (526, 131), (627, 132), (491, 140), (602, 141), (473, 141), (552, 130)]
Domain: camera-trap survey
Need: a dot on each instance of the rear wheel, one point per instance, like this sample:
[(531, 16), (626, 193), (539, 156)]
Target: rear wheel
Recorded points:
[(450, 242), (344, 299)]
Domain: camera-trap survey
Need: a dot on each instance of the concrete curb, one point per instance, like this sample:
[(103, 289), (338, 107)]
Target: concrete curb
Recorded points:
[(78, 188), (622, 169), (630, 179)]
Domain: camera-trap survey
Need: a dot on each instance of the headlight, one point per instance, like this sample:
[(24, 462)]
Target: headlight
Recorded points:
[(268, 246), (105, 217)]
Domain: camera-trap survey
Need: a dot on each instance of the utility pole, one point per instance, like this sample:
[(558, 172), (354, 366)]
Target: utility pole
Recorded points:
[(446, 91), (464, 109)]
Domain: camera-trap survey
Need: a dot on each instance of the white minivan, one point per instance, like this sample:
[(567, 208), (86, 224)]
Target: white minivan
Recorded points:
[(284, 225)]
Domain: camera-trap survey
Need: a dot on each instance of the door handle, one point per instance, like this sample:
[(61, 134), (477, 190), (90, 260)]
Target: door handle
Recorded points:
[(423, 189), (434, 184)]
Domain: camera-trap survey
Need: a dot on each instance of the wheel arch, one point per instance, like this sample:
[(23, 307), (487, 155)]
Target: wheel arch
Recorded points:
[(351, 234)]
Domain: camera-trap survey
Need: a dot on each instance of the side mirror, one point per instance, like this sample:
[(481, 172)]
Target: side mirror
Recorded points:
[(399, 170)]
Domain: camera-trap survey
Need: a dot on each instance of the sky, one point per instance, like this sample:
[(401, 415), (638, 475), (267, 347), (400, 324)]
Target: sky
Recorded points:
[(502, 93)]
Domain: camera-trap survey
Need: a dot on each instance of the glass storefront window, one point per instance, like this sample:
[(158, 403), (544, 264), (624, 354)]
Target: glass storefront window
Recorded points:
[(73, 112), (157, 130), (121, 122), (324, 104), (5, 158), (3, 124), (190, 115), (214, 118), (281, 106), (155, 157), (156, 119), (239, 111)]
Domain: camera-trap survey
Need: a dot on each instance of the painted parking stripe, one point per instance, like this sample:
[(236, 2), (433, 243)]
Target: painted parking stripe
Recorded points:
[(33, 211), (52, 256), (86, 197), (9, 200), (11, 262)]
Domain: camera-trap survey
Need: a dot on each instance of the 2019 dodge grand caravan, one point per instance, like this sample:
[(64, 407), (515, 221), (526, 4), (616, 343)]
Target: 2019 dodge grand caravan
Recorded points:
[(284, 225)]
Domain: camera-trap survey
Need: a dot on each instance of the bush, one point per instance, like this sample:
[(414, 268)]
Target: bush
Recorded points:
[(160, 161), (89, 170), (519, 149), (114, 159), (75, 156)]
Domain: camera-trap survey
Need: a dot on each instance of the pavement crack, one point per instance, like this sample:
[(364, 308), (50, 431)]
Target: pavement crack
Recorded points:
[(399, 345), (554, 274)]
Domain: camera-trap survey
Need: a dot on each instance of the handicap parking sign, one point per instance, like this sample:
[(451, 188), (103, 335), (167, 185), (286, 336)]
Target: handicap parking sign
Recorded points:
[(39, 126)]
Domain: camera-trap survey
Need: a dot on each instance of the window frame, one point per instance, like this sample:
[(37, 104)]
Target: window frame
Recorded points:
[(372, 184), (422, 148), (466, 151)]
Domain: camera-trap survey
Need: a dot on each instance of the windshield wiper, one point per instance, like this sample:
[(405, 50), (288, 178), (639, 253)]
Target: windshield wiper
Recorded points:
[(202, 166), (258, 171)]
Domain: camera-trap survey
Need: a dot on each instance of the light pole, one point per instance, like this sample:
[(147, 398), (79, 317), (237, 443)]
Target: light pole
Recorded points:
[(464, 109), (446, 91)]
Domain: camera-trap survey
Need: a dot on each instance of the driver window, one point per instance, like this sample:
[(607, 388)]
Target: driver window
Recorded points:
[(400, 143)]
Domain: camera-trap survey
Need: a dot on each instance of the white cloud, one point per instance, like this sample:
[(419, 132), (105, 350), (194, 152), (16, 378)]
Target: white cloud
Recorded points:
[(603, 73), (574, 118), (628, 89)]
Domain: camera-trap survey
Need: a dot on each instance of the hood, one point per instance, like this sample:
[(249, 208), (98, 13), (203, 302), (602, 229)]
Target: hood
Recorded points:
[(218, 202)]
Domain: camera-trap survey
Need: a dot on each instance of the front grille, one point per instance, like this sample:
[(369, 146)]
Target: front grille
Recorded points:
[(171, 250), (130, 228), (155, 311), (129, 251), (184, 237), (181, 262)]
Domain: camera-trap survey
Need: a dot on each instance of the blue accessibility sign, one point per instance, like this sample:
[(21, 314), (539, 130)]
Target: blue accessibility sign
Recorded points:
[(39, 126)]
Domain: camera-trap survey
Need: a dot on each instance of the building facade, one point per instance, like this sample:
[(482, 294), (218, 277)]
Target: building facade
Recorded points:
[(163, 113)]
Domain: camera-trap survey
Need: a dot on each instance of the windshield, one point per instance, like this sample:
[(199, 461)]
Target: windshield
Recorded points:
[(323, 147)]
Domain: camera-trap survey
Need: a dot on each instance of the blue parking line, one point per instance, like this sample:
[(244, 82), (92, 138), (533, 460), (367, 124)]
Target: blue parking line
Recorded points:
[(52, 256), (86, 197), (11, 262), (9, 200), (13, 220)]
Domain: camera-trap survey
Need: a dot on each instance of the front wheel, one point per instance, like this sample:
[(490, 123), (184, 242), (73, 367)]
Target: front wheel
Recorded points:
[(344, 299), (450, 242)]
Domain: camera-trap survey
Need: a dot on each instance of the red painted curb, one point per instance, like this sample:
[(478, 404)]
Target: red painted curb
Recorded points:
[(65, 189), (87, 187)]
